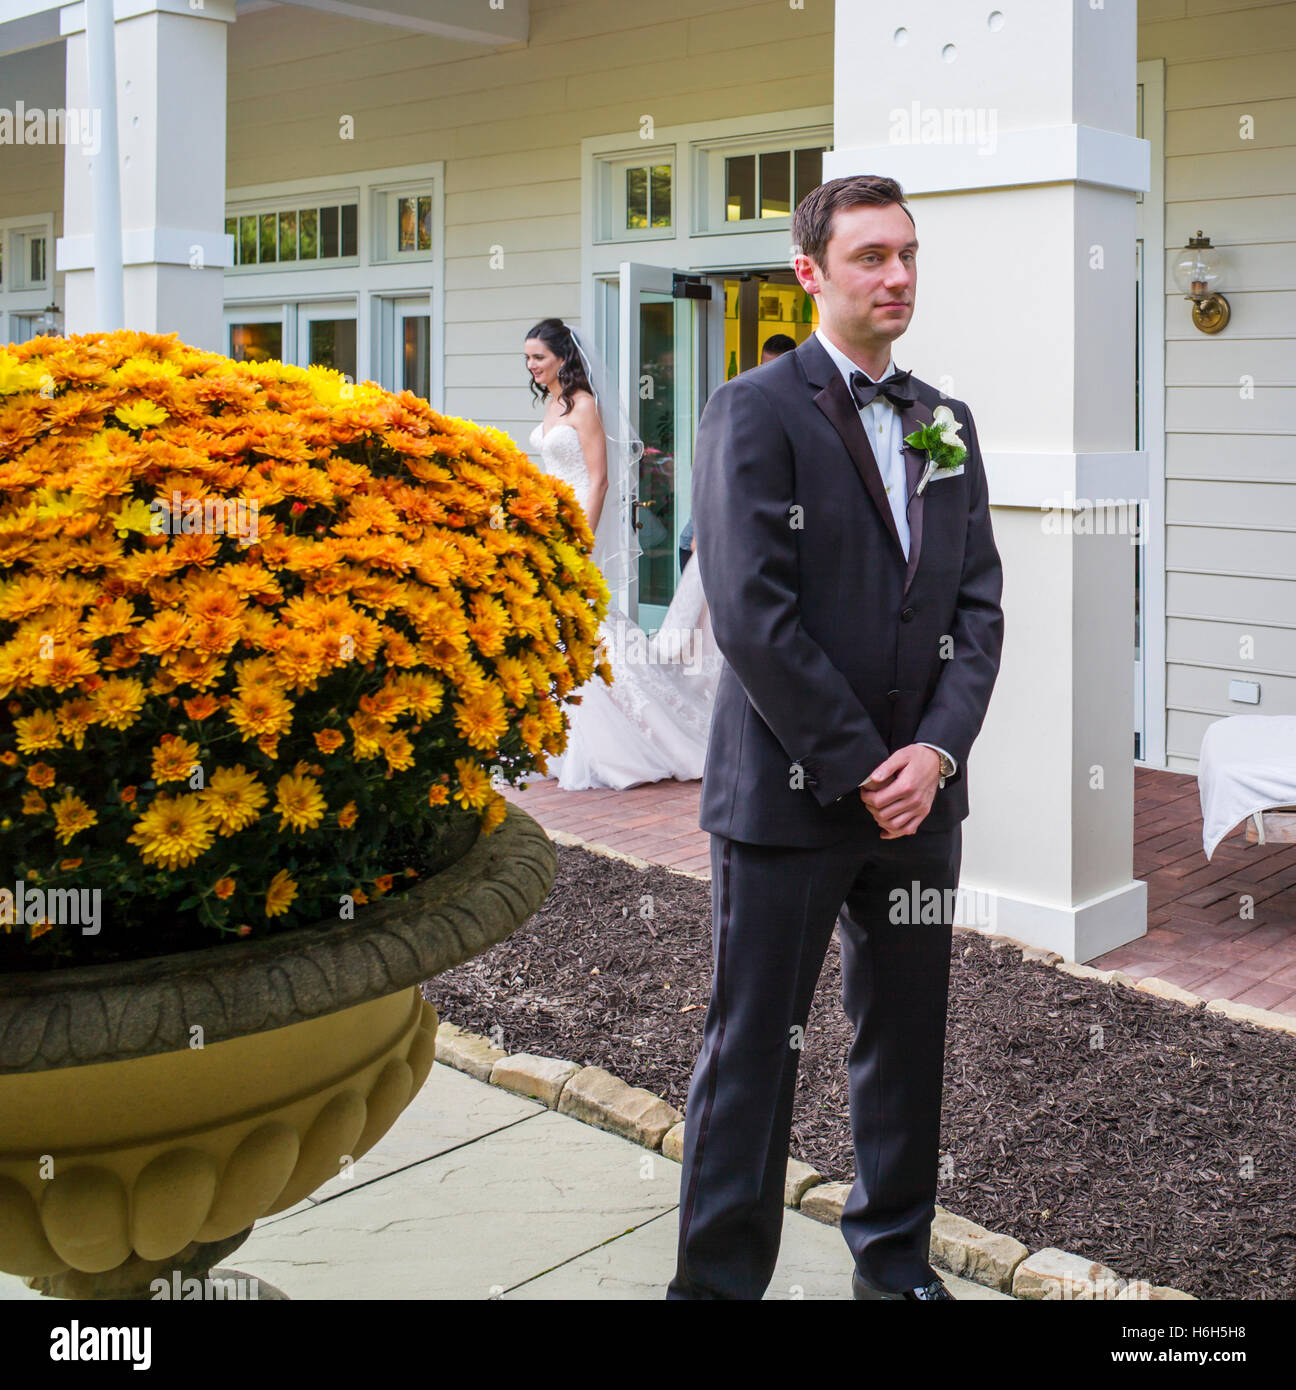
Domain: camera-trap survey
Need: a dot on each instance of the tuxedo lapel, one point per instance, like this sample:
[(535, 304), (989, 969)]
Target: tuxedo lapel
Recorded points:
[(915, 465), (836, 402)]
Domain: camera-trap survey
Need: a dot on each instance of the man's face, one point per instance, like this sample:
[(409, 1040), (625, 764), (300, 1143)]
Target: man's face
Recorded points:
[(867, 293)]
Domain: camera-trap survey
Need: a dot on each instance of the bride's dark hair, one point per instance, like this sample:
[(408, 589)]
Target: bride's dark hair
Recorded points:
[(557, 337)]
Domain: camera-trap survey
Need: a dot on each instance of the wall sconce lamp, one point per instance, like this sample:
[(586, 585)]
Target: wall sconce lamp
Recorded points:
[(1197, 272), (48, 323)]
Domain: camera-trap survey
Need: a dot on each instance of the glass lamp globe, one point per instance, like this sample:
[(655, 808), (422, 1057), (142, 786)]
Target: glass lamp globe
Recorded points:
[(1197, 271), (1199, 266)]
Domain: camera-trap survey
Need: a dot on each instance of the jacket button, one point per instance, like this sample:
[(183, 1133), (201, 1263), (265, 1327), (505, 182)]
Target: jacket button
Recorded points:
[(906, 614), (893, 695)]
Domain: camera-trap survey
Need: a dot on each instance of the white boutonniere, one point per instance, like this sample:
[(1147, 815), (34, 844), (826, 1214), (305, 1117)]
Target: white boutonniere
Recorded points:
[(941, 443)]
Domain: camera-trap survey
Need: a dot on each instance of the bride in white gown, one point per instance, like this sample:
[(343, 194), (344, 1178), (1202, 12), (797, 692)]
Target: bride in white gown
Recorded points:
[(652, 722)]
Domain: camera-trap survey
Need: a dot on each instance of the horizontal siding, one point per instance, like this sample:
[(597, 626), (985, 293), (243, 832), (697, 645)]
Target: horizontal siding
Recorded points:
[(1230, 493), (31, 176), (1239, 647), (1241, 598), (508, 125)]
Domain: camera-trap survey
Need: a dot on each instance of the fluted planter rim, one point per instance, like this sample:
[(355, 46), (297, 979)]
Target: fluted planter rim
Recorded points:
[(121, 1010)]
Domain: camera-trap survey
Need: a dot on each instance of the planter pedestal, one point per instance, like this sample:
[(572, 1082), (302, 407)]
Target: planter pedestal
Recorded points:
[(150, 1113)]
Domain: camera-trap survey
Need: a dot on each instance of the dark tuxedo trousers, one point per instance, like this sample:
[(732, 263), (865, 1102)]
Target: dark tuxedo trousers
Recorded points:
[(840, 648), (773, 909)]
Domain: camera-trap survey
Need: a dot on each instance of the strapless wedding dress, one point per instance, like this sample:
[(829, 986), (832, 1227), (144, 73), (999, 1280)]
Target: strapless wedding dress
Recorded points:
[(652, 722)]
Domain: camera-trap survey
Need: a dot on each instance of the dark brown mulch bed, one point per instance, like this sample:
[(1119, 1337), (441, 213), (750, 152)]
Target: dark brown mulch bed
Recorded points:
[(1162, 1147)]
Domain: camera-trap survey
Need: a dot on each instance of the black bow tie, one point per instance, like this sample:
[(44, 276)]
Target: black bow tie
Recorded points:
[(895, 388)]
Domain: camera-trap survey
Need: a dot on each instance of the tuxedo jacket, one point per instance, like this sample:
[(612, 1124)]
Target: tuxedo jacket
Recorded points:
[(837, 650)]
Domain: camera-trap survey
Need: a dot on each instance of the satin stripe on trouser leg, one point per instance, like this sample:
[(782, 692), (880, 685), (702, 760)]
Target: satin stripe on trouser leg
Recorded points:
[(773, 910), (895, 983)]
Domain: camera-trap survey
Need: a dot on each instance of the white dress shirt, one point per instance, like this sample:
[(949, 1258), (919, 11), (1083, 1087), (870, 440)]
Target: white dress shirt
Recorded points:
[(885, 431)]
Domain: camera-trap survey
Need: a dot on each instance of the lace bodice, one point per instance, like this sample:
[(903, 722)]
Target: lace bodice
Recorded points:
[(562, 455)]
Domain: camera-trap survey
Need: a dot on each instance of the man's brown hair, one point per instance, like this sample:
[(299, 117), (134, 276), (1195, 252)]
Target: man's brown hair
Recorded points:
[(813, 219)]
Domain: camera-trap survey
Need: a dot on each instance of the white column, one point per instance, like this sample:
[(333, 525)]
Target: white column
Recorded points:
[(170, 89), (1011, 129)]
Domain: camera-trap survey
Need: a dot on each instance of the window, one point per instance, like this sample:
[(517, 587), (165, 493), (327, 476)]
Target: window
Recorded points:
[(404, 224), (22, 264), (317, 333), (745, 183), (770, 184), (289, 236), (635, 195), (648, 196), (348, 278), (256, 342)]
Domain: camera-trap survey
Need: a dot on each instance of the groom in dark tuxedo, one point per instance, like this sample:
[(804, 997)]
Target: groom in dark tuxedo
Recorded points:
[(857, 609)]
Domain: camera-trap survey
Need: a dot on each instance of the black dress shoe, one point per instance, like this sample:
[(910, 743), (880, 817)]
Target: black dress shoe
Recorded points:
[(933, 1292)]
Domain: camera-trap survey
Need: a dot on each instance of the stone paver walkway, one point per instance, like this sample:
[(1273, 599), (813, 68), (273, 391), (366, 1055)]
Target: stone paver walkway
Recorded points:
[(1196, 936), (479, 1193)]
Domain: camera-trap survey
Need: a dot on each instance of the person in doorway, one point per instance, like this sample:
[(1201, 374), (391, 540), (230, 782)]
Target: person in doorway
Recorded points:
[(855, 597), (651, 723), (775, 346)]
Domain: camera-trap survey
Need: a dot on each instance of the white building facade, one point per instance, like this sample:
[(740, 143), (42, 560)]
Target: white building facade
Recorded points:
[(401, 188)]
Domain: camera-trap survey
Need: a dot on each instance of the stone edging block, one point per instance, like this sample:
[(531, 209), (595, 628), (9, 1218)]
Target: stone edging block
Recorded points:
[(1056, 1274), (466, 1052), (540, 1078), (972, 1252), (1248, 1013), (601, 1099)]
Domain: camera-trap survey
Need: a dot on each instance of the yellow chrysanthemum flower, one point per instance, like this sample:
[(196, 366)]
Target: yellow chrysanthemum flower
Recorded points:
[(71, 816), (174, 759), (38, 731), (234, 798), (474, 791), (141, 414), (173, 832), (300, 803), (118, 701), (280, 894)]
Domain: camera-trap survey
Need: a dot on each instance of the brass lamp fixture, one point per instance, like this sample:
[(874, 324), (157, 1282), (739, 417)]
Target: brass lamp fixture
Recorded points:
[(1197, 272)]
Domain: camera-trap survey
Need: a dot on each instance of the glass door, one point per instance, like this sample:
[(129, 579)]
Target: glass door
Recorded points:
[(656, 373), (404, 330), (326, 336)]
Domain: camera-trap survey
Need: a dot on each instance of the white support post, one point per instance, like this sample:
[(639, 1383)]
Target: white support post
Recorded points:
[(161, 117), (101, 62), (1011, 129)]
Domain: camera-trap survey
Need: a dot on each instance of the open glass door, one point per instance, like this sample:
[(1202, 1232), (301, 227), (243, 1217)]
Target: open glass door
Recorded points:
[(655, 361)]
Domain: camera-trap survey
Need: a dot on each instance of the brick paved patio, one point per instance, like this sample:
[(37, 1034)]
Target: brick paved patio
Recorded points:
[(1196, 935)]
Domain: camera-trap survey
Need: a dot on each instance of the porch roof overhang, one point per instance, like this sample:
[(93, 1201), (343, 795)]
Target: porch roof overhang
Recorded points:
[(30, 23), (469, 21)]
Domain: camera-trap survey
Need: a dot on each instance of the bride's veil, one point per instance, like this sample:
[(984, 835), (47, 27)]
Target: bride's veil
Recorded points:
[(616, 541)]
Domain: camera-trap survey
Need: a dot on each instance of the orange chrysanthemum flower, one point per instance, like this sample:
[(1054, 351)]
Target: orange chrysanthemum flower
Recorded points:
[(174, 759)]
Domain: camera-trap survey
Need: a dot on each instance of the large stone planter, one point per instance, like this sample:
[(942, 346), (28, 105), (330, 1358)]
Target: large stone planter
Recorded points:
[(150, 1112)]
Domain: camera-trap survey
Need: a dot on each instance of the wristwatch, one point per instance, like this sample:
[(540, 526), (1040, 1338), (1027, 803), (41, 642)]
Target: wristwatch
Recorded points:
[(946, 768)]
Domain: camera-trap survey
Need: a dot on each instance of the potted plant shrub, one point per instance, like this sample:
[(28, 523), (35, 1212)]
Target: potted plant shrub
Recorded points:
[(271, 643)]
